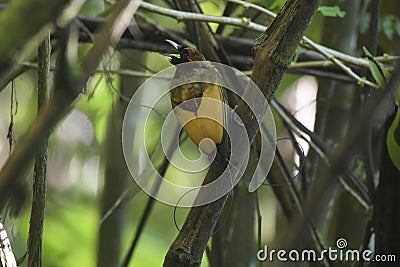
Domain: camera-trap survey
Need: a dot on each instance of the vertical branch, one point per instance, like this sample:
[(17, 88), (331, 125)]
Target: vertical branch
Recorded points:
[(40, 169)]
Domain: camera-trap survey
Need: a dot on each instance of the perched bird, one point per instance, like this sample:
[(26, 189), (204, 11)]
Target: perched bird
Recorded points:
[(198, 106)]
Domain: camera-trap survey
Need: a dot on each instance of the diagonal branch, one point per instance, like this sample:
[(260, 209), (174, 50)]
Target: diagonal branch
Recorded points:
[(28, 30), (320, 49), (273, 53), (335, 57), (69, 84)]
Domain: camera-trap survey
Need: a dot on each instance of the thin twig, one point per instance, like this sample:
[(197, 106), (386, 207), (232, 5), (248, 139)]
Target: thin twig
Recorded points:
[(339, 55), (325, 188), (361, 81), (291, 203), (311, 64), (162, 169), (347, 178), (322, 50), (182, 15)]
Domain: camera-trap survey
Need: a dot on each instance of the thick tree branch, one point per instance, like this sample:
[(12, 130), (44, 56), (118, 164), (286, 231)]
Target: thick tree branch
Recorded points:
[(273, 53)]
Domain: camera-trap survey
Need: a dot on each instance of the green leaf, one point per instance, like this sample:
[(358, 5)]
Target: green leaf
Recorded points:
[(393, 141), (397, 26), (376, 73), (388, 27), (332, 11), (396, 94), (378, 70), (366, 51)]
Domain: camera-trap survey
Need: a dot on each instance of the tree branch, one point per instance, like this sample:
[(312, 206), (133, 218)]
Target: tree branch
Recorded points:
[(69, 84), (375, 113), (320, 49), (273, 53), (18, 16)]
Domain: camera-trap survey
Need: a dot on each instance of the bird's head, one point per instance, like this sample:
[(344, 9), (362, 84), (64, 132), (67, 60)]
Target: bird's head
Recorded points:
[(186, 54)]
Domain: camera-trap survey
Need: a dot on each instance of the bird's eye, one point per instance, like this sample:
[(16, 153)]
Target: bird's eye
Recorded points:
[(186, 53)]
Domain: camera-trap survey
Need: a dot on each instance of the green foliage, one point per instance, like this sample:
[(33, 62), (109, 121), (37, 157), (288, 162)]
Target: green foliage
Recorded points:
[(332, 11), (393, 135), (364, 23), (378, 70), (92, 7), (273, 5), (389, 25), (393, 141), (98, 102), (78, 239), (211, 7), (72, 216)]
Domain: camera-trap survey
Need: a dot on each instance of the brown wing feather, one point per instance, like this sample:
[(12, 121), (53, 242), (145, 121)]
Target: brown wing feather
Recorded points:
[(206, 115)]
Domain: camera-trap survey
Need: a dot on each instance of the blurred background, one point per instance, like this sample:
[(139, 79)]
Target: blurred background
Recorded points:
[(94, 209)]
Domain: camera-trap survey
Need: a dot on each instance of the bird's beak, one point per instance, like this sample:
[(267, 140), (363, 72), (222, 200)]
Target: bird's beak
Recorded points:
[(174, 58), (175, 45)]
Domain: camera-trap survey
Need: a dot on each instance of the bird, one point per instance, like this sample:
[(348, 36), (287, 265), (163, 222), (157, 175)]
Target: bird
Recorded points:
[(198, 106)]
